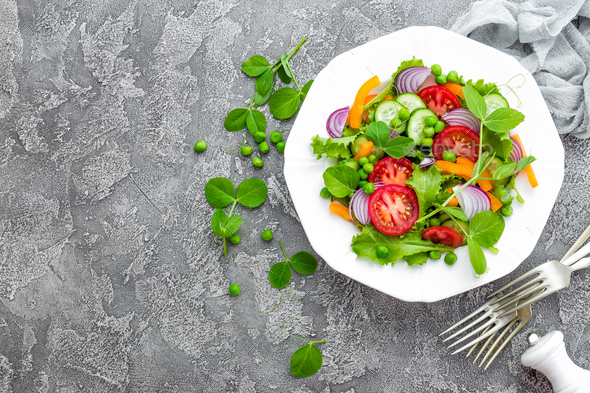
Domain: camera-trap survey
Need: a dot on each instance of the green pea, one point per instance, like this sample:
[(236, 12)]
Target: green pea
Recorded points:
[(441, 79), (234, 289), (235, 239), (434, 222), (382, 252), (263, 147), (368, 168), (506, 211), (246, 150), (452, 76), (257, 162), (362, 174), (396, 122), (439, 126), (450, 258), (281, 147), (267, 235), (426, 142), (325, 193), (259, 137), (436, 69), (404, 113), (430, 120), (372, 159), (362, 183), (429, 132), (276, 137), (363, 161), (200, 146), (449, 156), (434, 255), (369, 188)]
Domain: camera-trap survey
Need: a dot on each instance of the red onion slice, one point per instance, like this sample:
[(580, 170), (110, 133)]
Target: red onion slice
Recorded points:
[(336, 122), (462, 117), (517, 153), (359, 204), (393, 134), (427, 161), (410, 79), (473, 200)]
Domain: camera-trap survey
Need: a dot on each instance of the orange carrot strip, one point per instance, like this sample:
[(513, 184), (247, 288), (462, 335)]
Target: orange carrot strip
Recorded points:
[(356, 112), (496, 204), (365, 150), (529, 169), (452, 168), (455, 88), (340, 210), (453, 202), (485, 185)]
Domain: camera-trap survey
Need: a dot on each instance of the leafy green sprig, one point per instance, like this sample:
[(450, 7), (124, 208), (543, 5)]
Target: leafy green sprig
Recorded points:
[(308, 359), (302, 262), (220, 193)]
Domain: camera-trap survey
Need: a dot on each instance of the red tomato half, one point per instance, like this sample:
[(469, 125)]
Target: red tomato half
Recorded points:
[(462, 141), (439, 99), (393, 209), (392, 171), (443, 235)]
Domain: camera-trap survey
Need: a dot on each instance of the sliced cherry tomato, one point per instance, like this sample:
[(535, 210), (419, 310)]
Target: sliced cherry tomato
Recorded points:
[(393, 209), (443, 235), (392, 171), (462, 141), (439, 99)]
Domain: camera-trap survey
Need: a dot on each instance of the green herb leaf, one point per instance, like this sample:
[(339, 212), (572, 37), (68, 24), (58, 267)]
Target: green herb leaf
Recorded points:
[(305, 90), (499, 143), (366, 244), (426, 184), (477, 257), (279, 275), (453, 211), (486, 228), (399, 147), (332, 148), (256, 121), (219, 192), (218, 222), (283, 75), (503, 119), (524, 162), (303, 262), (236, 120), (261, 99), (306, 361), (285, 66), (416, 259), (504, 171), (255, 66), (264, 82), (284, 103), (475, 102), (483, 88), (252, 192), (379, 134), (232, 224), (512, 186), (341, 180)]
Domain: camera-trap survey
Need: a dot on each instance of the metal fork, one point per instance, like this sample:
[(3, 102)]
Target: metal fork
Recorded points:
[(502, 310)]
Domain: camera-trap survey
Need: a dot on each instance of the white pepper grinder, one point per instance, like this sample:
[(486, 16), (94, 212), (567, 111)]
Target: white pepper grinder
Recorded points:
[(547, 354)]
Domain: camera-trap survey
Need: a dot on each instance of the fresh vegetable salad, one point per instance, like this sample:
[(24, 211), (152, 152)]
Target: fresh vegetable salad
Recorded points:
[(424, 166)]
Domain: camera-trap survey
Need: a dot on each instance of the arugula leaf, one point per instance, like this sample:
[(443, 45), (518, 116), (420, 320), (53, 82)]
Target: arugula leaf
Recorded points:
[(503, 119), (399, 147), (366, 244), (477, 257), (416, 259), (306, 361), (498, 143), (256, 121), (283, 75), (475, 102), (453, 211), (303, 262), (504, 171), (264, 82), (378, 133), (305, 90), (252, 192), (407, 64), (236, 120), (426, 184), (255, 66), (341, 180), (486, 228), (284, 103), (524, 162), (483, 88), (279, 275), (332, 148), (219, 192)]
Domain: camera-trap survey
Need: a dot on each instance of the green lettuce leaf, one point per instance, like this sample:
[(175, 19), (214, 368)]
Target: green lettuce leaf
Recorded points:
[(483, 88), (426, 183), (332, 148)]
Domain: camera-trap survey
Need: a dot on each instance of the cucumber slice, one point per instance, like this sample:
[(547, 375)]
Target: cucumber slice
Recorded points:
[(416, 124), (461, 228), (495, 164), (495, 101), (387, 110), (411, 101)]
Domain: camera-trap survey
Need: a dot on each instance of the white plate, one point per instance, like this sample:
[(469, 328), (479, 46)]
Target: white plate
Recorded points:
[(336, 86)]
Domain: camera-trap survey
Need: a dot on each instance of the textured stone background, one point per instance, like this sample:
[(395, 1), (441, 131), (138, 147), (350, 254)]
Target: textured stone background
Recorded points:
[(110, 277)]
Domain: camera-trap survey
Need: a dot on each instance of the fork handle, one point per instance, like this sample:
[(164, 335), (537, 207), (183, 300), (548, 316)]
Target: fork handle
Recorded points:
[(581, 264), (582, 252)]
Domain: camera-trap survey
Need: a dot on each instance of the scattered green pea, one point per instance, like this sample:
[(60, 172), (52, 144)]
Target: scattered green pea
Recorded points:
[(372, 159), (363, 161), (441, 79), (234, 289), (276, 137), (449, 156), (430, 120), (325, 193), (200, 146), (434, 222), (362, 174), (368, 168), (259, 137), (434, 255), (382, 252), (452, 76), (257, 162), (281, 147), (263, 147), (267, 235), (404, 114), (362, 183), (369, 188), (506, 211), (436, 69), (246, 150), (450, 258), (235, 239), (439, 126), (429, 132), (426, 142), (396, 122)]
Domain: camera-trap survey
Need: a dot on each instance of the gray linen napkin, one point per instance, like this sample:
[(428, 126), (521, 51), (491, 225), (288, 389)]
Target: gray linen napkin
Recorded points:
[(551, 38)]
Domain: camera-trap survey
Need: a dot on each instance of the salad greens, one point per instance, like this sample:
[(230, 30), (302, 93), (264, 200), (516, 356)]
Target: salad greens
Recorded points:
[(302, 262), (341, 180), (308, 359)]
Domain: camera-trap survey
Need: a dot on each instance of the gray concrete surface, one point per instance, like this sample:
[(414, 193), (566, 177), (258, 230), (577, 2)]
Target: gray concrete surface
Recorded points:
[(110, 277)]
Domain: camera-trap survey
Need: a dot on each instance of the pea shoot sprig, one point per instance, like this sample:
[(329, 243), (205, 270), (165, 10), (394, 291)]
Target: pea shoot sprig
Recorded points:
[(220, 193), (308, 359)]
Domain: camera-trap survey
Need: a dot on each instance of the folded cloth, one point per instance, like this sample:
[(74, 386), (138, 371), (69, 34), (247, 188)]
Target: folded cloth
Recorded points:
[(551, 38)]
